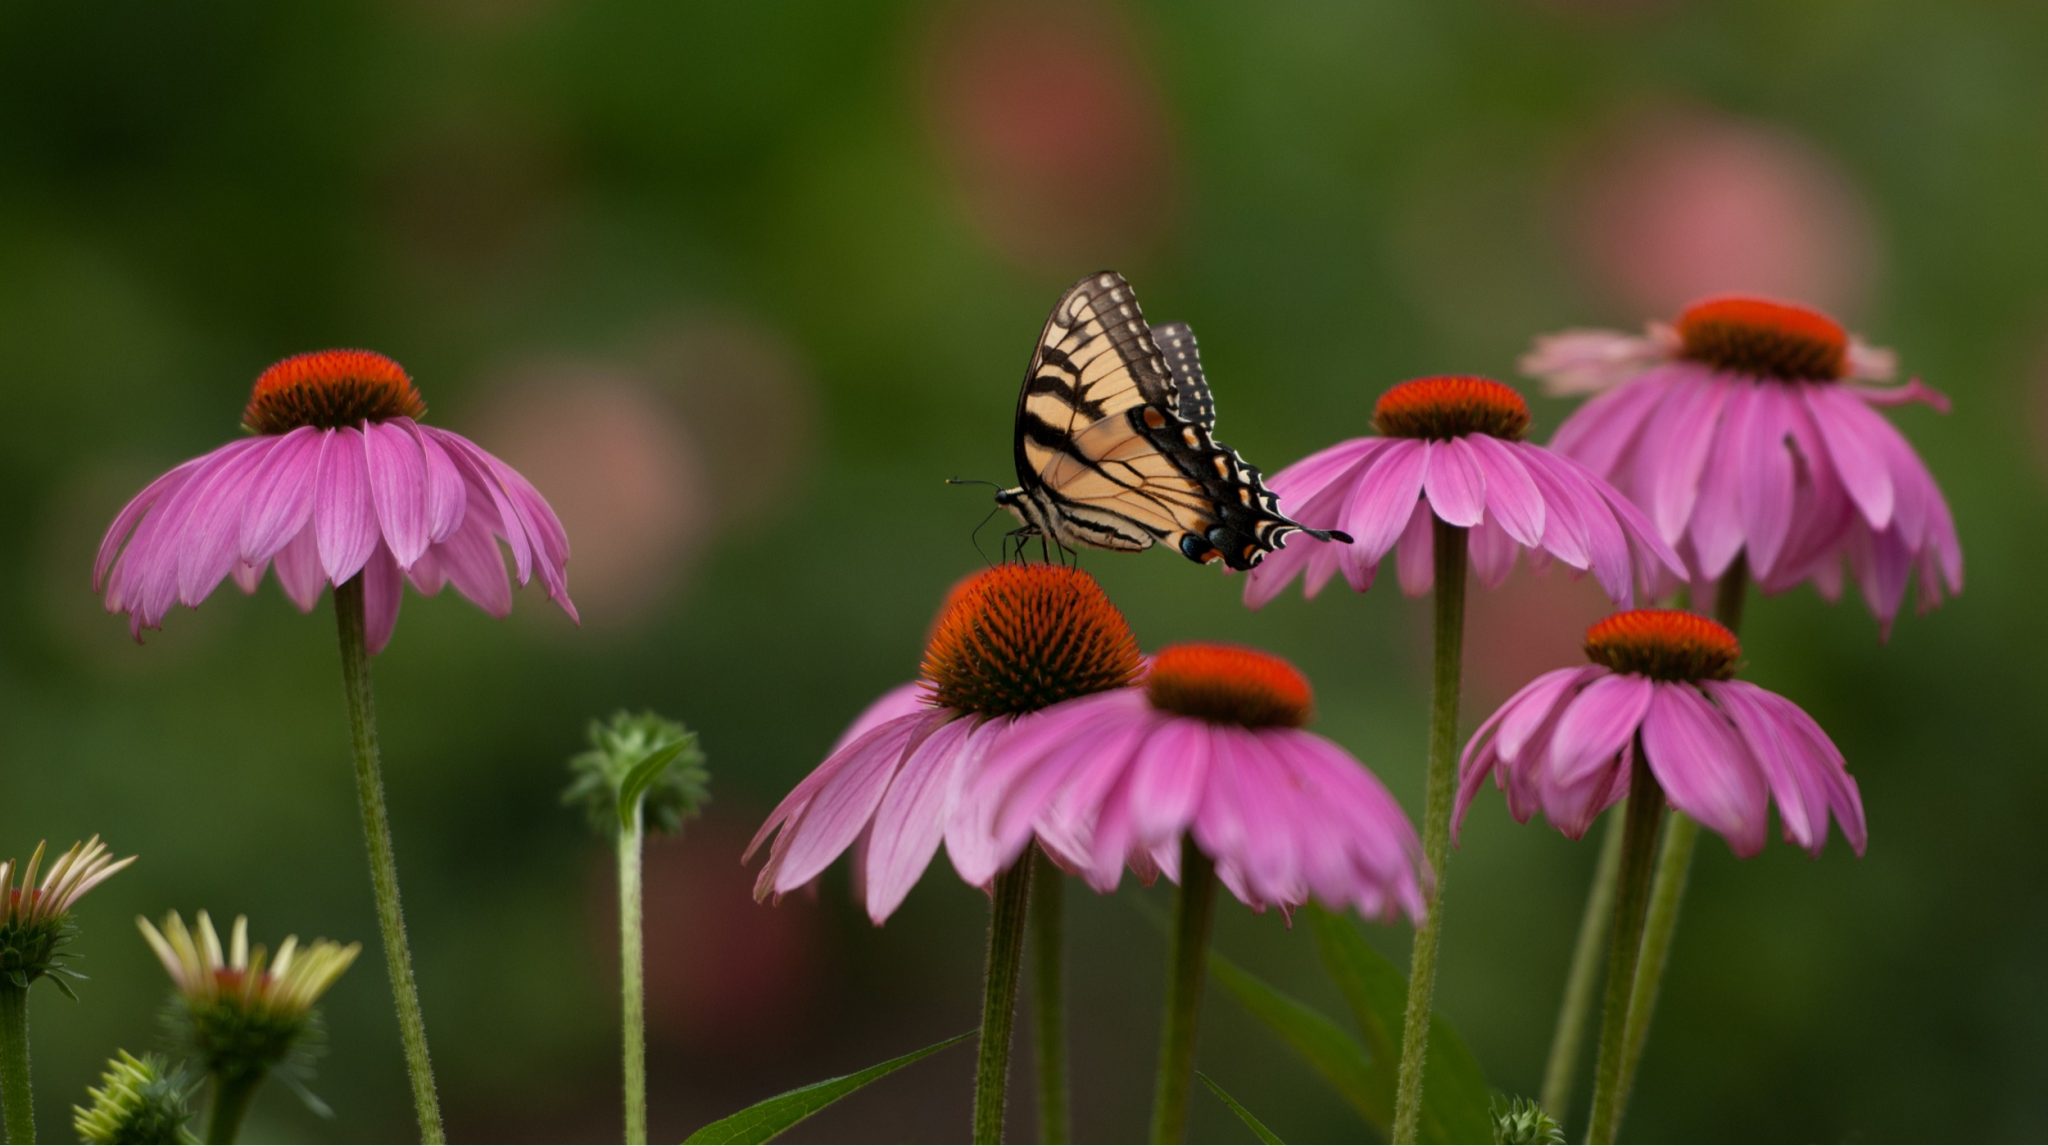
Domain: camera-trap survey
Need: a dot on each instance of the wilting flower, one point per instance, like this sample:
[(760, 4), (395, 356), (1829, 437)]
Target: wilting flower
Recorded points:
[(248, 1010), (1747, 430), (35, 918), (1009, 641), (1451, 449), (340, 479), (138, 1100), (1661, 683), (1210, 747)]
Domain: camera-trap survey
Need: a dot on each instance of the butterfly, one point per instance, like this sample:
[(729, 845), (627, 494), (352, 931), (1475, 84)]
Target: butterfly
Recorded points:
[(1114, 441)]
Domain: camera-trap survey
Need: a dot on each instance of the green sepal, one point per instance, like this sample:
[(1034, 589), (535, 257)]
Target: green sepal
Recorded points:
[(766, 1120)]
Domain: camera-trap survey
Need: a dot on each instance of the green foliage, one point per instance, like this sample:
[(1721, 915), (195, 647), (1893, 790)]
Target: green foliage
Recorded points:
[(771, 1117), (1249, 1119), (1521, 1122), (1322, 1044), (1455, 1096), (645, 762), (139, 1100)]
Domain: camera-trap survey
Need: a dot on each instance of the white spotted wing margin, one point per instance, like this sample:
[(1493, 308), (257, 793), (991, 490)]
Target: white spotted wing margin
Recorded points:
[(1114, 447)]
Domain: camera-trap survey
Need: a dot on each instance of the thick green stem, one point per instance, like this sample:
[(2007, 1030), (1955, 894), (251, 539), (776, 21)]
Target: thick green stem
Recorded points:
[(1449, 542), (1625, 945), (1568, 1042), (1187, 959), (1049, 999), (231, 1098), (1674, 865), (633, 982), (17, 1100), (362, 718), (1008, 906)]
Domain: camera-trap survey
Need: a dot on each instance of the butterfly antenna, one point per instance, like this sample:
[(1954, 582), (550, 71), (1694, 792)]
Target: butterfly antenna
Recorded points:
[(975, 537), (973, 481)]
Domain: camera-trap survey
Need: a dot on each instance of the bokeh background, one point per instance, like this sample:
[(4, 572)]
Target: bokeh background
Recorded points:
[(738, 285)]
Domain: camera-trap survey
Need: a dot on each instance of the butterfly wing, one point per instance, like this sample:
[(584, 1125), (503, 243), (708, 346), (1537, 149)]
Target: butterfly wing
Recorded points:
[(1176, 342), (1113, 440)]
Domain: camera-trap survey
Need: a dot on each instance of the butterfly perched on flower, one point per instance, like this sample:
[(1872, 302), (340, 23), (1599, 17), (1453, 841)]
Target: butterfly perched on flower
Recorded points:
[(1114, 441)]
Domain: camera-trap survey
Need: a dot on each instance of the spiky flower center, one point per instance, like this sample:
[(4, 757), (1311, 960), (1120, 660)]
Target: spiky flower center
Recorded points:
[(1664, 644), (1450, 407), (1227, 684), (1764, 338), (330, 389), (1016, 638)]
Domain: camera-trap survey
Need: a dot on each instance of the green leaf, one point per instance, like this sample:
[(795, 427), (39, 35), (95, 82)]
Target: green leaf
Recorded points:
[(644, 774), (766, 1120), (1250, 1120), (1324, 1045), (1456, 1100)]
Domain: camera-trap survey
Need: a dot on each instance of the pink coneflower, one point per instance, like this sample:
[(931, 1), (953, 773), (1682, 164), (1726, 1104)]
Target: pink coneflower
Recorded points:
[(1009, 641), (1210, 748), (1450, 449), (339, 479), (1203, 772), (1661, 685), (1747, 430)]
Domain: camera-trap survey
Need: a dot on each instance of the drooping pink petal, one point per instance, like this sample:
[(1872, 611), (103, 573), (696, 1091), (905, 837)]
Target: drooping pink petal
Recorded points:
[(1454, 483), (1765, 494), (1855, 446), (1606, 546), (447, 495), (147, 575), (1602, 718), (1603, 433), (281, 495), (1817, 755), (1491, 552), (471, 561), (1512, 500), (911, 818), (344, 521), (1415, 555), (397, 473), (298, 570), (1384, 499), (1168, 774), (1801, 796), (1704, 768), (477, 476), (131, 515), (828, 815), (1716, 528), (1589, 361), (1674, 451), (905, 699), (207, 547), (383, 592)]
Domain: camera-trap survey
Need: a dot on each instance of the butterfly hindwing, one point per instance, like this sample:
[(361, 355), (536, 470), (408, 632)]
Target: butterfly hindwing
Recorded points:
[(1114, 447)]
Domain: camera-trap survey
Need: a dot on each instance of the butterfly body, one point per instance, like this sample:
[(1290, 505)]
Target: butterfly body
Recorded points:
[(1115, 446)]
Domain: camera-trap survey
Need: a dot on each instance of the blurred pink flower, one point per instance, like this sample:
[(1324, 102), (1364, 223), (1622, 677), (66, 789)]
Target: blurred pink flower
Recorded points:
[(1011, 643), (1451, 449), (1747, 429), (1053, 127), (617, 461), (1681, 204), (1210, 747), (339, 479), (1722, 749)]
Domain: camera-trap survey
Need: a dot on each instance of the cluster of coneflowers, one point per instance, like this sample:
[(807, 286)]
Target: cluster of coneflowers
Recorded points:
[(1739, 448)]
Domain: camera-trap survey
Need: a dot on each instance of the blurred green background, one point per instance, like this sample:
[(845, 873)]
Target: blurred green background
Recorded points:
[(738, 285)]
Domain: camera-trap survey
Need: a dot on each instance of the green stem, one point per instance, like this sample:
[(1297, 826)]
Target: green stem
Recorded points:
[(1568, 1043), (1449, 542), (17, 1100), (1625, 945), (362, 718), (1674, 865), (1049, 999), (633, 982), (1187, 958), (231, 1098), (1008, 905)]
